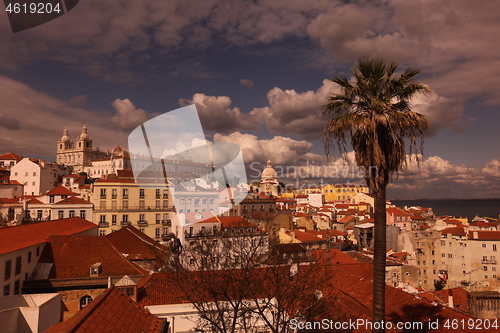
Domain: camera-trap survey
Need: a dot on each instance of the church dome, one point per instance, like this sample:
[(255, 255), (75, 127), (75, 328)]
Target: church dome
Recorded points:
[(269, 172), (65, 136), (84, 135)]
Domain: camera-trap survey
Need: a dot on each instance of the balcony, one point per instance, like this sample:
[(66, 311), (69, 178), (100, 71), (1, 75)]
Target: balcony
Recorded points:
[(485, 261), (104, 224), (167, 237), (142, 223), (135, 209), (493, 261), (166, 223), (125, 223)]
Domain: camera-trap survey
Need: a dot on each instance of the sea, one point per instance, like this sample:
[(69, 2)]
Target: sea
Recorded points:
[(458, 207)]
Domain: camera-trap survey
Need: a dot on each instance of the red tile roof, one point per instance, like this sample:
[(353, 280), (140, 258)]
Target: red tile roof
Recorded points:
[(8, 201), (305, 237), (35, 201), (484, 235), (73, 201), (74, 255), (18, 237), (396, 211), (60, 190), (10, 156), (458, 231), (136, 245), (112, 311), (235, 222)]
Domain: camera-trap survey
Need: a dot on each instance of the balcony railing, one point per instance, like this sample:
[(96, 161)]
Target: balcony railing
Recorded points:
[(125, 222), (166, 237), (142, 223), (103, 224), (166, 223), (493, 261), (136, 208), (485, 261)]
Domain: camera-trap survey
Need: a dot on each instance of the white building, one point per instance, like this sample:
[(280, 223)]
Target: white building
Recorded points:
[(77, 155), (38, 176), (269, 184), (8, 160), (58, 203)]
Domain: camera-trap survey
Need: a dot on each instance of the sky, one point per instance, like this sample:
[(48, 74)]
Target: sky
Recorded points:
[(258, 72)]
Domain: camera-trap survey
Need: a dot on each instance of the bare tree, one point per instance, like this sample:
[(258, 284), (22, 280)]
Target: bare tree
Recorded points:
[(235, 288)]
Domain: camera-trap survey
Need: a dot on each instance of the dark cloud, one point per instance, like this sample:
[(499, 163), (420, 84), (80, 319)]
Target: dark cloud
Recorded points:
[(8, 122)]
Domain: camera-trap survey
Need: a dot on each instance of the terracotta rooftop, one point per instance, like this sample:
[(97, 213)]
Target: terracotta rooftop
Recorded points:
[(484, 235), (73, 256), (8, 201), (235, 222), (396, 211), (459, 231), (60, 190), (21, 236), (135, 244), (10, 156), (112, 311), (73, 201)]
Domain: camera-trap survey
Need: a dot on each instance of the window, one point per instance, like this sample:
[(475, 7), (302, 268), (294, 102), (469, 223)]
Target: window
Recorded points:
[(443, 255), (8, 269), (141, 193), (113, 205), (102, 219), (83, 214), (157, 218), (141, 204), (450, 255), (125, 218), (19, 264), (196, 202), (102, 232), (157, 204), (103, 205), (103, 193), (113, 219), (6, 290), (114, 193), (71, 213), (125, 193), (165, 204), (494, 247), (84, 301), (141, 217), (37, 251), (165, 194), (483, 245), (60, 214), (51, 199), (125, 204), (157, 232), (157, 193), (485, 268), (29, 257)]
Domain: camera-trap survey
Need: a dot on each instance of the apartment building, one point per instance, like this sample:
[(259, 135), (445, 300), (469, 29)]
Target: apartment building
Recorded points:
[(458, 256), (38, 176), (119, 201)]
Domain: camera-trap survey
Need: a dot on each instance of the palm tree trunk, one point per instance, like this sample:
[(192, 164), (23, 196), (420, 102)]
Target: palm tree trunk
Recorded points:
[(379, 258)]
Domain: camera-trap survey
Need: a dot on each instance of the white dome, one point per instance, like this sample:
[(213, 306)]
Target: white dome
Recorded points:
[(65, 136), (269, 172)]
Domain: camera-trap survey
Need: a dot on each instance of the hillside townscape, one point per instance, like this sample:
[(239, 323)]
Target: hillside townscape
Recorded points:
[(87, 249)]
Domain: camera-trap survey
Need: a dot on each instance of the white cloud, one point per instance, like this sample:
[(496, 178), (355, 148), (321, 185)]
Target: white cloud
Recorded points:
[(246, 82), (128, 116), (28, 131), (217, 115)]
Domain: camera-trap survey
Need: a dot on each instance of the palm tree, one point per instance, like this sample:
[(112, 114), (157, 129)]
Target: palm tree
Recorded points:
[(374, 111)]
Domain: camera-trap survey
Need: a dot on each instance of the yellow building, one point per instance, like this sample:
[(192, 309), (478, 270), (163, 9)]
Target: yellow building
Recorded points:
[(118, 202), (342, 192)]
